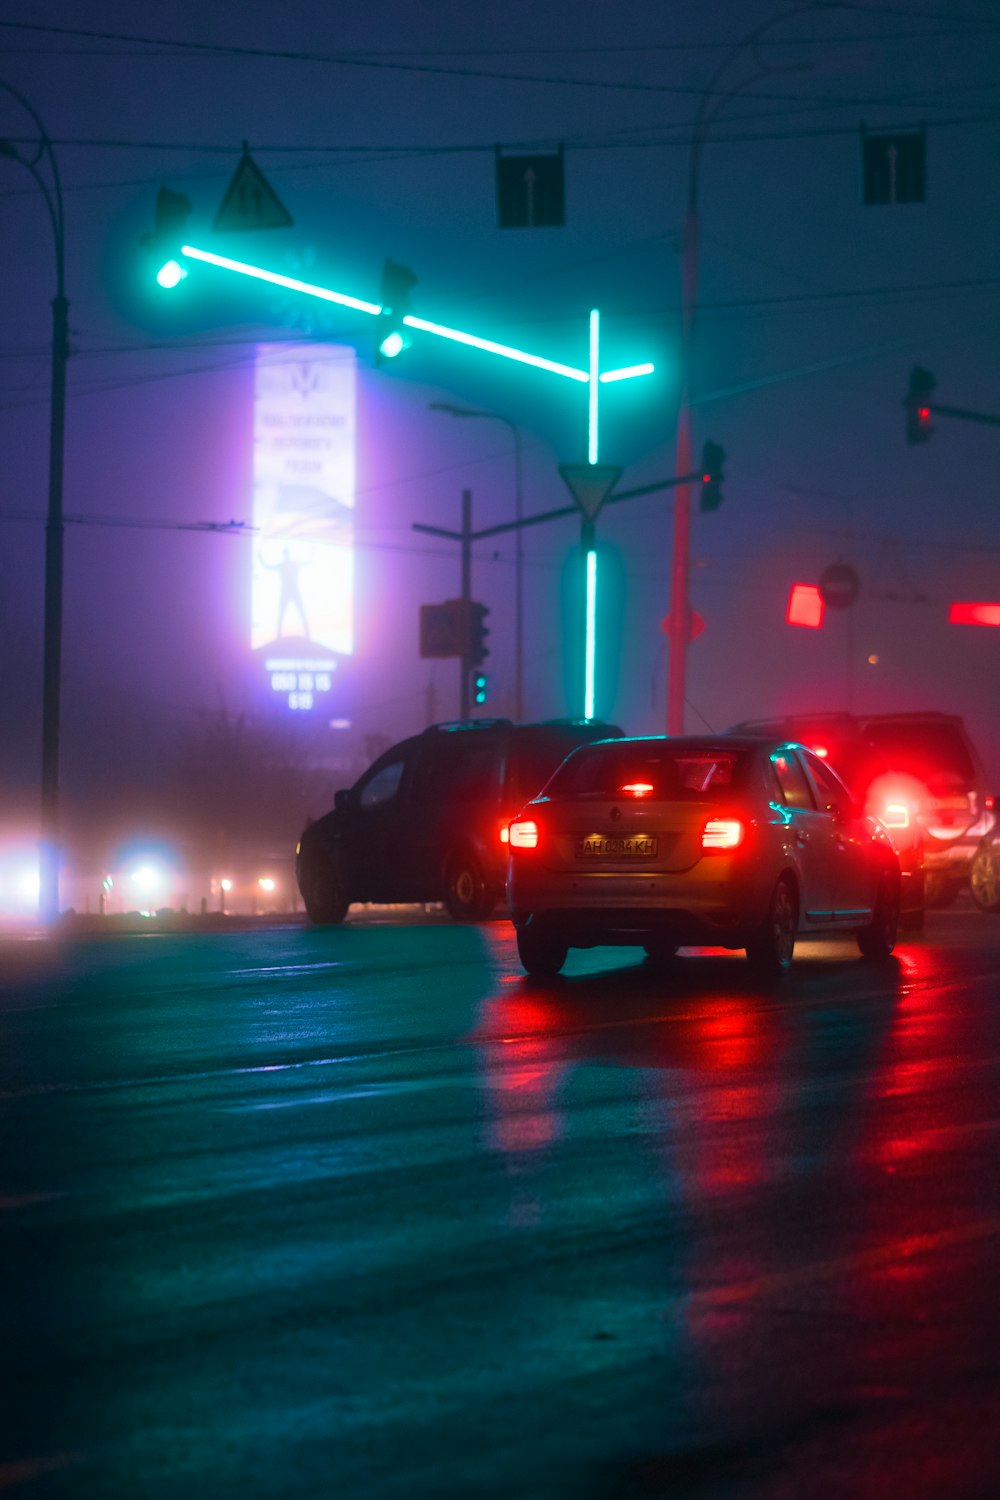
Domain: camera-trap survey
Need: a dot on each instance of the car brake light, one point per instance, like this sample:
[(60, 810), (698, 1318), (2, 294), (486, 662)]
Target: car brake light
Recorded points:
[(722, 833), (988, 803), (523, 834), (637, 788), (896, 815), (504, 832), (821, 751)]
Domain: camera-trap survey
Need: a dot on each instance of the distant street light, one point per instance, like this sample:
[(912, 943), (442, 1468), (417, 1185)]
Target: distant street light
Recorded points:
[(493, 416), (49, 852)]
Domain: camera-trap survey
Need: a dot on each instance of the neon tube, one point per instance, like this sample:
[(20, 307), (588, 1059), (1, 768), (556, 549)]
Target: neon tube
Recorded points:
[(590, 644), (595, 328)]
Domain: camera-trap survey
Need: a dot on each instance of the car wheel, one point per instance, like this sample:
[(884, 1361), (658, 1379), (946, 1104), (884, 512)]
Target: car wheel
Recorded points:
[(541, 954), (467, 895), (326, 900), (940, 891), (770, 950), (878, 939), (984, 877)]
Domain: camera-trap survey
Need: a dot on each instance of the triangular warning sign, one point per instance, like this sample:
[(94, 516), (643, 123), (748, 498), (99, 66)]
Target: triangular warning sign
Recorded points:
[(590, 485), (250, 201)]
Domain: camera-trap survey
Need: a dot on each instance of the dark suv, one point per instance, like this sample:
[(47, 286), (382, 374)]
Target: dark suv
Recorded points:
[(428, 820), (920, 775)]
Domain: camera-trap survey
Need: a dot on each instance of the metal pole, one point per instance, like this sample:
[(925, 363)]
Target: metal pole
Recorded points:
[(49, 843), (495, 416), (679, 616), (464, 666), (518, 578), (678, 620), (48, 900)]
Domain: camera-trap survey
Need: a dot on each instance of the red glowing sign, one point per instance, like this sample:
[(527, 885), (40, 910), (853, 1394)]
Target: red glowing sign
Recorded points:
[(974, 614), (805, 606)]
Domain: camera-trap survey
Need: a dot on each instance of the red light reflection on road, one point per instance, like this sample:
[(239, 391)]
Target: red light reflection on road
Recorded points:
[(524, 1064)]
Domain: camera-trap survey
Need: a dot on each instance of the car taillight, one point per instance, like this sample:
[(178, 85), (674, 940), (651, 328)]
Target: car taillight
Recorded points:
[(988, 803), (505, 832), (896, 815), (637, 788), (523, 834), (722, 833)]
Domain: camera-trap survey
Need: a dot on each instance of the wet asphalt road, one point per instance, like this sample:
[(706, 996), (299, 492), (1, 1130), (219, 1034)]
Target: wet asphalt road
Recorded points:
[(362, 1212)]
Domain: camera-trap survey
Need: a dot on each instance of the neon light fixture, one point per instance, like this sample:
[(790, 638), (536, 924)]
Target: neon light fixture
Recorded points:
[(591, 636), (593, 376)]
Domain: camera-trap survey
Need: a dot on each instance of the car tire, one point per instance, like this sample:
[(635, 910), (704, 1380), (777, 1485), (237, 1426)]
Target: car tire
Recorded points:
[(878, 939), (322, 889), (467, 894), (984, 877), (770, 950), (541, 954), (940, 891)]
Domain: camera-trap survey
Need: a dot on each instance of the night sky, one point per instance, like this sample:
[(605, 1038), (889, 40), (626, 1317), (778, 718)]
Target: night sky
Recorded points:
[(377, 127)]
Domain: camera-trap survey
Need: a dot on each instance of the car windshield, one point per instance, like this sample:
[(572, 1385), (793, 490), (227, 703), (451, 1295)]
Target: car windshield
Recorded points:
[(637, 768), (922, 749)]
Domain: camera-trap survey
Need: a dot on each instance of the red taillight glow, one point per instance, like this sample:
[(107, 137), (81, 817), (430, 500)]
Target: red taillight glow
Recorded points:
[(637, 788), (805, 606), (963, 613), (504, 833), (722, 833), (523, 834), (896, 815), (820, 750)]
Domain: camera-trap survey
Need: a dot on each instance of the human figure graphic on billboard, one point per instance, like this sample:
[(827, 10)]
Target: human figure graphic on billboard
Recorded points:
[(289, 596)]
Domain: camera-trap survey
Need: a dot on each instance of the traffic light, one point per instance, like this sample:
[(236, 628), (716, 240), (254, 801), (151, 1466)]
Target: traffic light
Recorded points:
[(391, 334), (480, 687), (165, 242), (917, 401), (478, 649), (712, 459)]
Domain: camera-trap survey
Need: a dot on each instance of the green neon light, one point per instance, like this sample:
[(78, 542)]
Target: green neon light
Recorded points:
[(276, 279), (504, 350), (627, 372), (589, 376), (590, 645), (595, 331)]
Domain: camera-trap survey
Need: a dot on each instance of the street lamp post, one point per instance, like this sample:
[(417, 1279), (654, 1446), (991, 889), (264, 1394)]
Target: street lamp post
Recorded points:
[(493, 416), (678, 620), (48, 899)]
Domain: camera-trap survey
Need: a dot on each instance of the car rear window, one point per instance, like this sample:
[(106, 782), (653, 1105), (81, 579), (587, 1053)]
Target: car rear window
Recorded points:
[(922, 749), (633, 768), (537, 751)]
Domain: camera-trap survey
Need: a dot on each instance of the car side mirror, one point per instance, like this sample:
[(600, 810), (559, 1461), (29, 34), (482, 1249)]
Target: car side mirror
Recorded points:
[(343, 799)]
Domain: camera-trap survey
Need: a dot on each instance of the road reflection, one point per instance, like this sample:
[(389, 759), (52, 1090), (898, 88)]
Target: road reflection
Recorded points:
[(787, 1154)]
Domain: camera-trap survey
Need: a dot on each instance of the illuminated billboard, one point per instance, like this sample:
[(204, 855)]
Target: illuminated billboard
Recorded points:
[(302, 600)]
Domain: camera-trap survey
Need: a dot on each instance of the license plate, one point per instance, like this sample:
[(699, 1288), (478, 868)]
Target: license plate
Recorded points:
[(636, 846)]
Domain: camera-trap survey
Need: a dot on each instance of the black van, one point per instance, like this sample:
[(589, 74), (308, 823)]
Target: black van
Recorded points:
[(428, 820)]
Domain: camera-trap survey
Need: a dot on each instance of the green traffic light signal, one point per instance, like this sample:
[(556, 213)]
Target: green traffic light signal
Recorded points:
[(164, 243), (391, 333), (480, 687)]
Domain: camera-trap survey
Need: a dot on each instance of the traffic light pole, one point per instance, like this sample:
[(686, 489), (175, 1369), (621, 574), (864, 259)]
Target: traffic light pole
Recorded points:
[(466, 537), (464, 665), (49, 844)]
